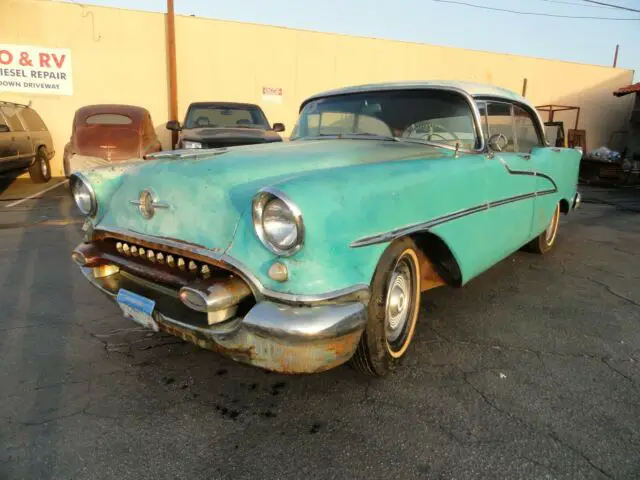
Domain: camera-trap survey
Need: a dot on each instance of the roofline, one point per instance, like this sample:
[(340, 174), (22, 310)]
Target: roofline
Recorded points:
[(221, 103), (492, 90)]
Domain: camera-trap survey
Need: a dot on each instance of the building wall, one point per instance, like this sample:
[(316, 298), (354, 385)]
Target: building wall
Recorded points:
[(119, 56)]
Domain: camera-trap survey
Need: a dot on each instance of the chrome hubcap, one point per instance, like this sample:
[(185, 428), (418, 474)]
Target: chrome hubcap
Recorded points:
[(44, 167), (398, 305)]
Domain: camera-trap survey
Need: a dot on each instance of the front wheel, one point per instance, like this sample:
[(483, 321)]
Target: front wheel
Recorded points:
[(545, 241), (392, 311), (40, 171)]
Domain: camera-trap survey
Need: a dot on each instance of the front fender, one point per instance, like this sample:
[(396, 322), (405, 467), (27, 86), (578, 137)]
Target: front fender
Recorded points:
[(338, 207), (105, 181)]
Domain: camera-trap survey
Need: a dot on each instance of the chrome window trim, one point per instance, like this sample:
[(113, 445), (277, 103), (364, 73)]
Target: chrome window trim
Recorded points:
[(259, 290), (539, 124), (92, 192), (471, 101), (257, 208)]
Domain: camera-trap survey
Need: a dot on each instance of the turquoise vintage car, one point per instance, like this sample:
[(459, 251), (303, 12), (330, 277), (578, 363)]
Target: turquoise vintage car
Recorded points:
[(300, 256)]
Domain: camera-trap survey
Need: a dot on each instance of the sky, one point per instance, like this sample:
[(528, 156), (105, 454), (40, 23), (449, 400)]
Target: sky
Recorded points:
[(439, 23)]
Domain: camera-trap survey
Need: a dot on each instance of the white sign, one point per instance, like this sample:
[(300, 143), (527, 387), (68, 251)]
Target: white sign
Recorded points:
[(270, 94), (32, 69)]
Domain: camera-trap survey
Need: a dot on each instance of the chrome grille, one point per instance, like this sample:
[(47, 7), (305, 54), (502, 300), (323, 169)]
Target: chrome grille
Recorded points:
[(184, 264)]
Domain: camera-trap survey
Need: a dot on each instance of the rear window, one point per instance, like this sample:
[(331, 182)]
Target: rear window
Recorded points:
[(108, 119), (32, 120), (11, 114)]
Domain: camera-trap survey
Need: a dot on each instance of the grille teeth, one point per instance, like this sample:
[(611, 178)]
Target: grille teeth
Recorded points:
[(205, 271), (184, 264)]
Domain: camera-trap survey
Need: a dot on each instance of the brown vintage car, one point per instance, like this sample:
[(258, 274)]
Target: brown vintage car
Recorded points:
[(102, 134)]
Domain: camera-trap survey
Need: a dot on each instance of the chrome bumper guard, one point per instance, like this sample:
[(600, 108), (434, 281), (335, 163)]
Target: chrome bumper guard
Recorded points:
[(577, 201), (278, 337)]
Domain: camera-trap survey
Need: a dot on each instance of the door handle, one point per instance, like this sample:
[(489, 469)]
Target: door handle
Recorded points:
[(555, 149), (526, 156)]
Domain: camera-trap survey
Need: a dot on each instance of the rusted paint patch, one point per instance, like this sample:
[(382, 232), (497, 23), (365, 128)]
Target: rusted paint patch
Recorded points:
[(273, 355), (430, 277)]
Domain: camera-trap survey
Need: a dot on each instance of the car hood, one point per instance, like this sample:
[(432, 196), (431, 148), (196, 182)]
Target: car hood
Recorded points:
[(221, 137), (207, 194)]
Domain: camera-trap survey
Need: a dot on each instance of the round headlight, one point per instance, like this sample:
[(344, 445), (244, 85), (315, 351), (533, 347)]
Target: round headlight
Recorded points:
[(83, 195), (278, 222)]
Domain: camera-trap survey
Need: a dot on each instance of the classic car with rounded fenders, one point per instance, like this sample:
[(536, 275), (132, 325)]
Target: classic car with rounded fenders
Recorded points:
[(107, 133), (300, 256)]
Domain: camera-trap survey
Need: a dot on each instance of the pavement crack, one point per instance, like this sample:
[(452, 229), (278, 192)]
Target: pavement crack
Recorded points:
[(551, 434), (613, 292), (604, 360), (52, 419), (557, 439)]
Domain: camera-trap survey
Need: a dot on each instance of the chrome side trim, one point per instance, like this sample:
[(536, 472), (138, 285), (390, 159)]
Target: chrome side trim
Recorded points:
[(259, 290), (419, 227)]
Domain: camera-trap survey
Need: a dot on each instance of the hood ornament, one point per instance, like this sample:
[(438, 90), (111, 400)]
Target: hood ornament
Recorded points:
[(148, 203)]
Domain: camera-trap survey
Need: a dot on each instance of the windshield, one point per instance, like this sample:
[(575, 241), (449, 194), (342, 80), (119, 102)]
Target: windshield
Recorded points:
[(222, 116), (433, 116)]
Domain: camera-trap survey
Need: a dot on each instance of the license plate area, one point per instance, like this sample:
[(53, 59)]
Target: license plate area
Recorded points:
[(137, 308)]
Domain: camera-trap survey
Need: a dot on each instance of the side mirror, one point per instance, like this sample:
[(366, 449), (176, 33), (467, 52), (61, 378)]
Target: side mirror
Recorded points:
[(4, 128), (498, 142), (278, 127), (174, 126)]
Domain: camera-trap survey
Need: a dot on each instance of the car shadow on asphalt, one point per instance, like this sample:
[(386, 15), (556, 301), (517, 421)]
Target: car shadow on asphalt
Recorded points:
[(34, 329), (7, 179)]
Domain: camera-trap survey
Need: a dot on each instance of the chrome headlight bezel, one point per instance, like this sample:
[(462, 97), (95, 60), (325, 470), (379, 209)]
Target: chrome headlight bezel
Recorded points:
[(259, 203), (77, 181), (191, 145)]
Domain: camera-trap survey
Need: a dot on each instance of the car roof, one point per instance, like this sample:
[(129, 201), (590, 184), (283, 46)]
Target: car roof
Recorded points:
[(132, 111), (224, 105), (473, 89)]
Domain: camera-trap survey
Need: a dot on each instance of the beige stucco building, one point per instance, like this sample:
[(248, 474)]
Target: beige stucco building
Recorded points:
[(119, 56)]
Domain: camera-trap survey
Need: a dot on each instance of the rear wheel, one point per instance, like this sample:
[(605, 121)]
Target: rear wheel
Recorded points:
[(393, 310), (545, 241), (40, 170)]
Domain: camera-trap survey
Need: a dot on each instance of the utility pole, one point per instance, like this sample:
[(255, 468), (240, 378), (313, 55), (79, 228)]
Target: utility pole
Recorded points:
[(615, 57), (173, 77)]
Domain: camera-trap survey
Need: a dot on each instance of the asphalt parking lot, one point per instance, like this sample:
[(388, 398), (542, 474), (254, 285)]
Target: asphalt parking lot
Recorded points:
[(530, 371)]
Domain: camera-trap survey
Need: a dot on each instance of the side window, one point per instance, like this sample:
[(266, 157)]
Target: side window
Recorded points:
[(32, 120), (526, 133), (11, 114), (500, 120)]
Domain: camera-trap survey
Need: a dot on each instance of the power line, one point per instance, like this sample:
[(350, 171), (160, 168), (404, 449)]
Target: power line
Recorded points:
[(611, 5), (577, 4), (473, 5)]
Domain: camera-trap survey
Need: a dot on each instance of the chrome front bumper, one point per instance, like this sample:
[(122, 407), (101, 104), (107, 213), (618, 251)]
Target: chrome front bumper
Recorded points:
[(278, 337)]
